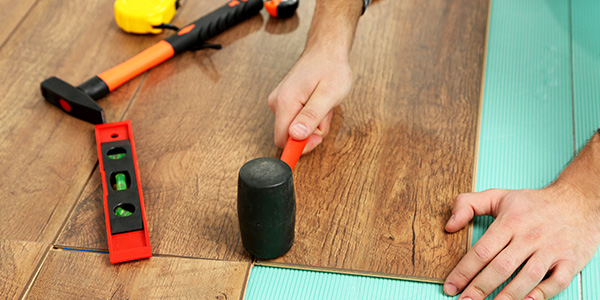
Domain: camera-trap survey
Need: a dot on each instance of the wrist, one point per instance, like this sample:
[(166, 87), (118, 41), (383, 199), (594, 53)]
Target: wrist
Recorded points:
[(582, 175), (333, 27)]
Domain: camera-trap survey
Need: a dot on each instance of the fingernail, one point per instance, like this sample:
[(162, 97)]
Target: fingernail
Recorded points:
[(529, 298), (300, 130), (466, 298), (451, 219), (450, 289)]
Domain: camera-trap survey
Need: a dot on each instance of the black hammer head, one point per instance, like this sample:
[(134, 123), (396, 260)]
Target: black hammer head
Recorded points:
[(72, 100), (266, 207)]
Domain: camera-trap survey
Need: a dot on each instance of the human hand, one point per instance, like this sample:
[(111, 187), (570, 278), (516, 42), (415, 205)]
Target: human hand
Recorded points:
[(304, 100), (554, 232)]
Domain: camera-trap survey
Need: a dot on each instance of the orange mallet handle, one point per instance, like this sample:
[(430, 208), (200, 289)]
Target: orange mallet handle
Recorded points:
[(292, 151)]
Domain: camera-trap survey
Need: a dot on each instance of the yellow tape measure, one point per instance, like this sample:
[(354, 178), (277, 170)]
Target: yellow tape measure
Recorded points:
[(142, 16)]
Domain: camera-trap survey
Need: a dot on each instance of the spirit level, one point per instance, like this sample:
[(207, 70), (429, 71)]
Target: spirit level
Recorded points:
[(124, 212)]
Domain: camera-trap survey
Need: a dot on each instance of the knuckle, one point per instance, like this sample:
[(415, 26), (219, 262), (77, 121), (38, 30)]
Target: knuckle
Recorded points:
[(562, 281), (482, 252), (535, 273), (533, 234), (479, 291), (506, 296), (461, 198), (461, 276), (503, 266), (310, 114)]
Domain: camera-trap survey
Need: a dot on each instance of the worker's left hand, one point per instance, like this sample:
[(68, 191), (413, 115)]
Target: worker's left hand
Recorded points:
[(554, 232)]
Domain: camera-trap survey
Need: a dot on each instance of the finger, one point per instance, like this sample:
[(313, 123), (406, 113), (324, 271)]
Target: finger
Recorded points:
[(473, 204), (318, 106), (486, 249), (529, 277), (271, 100), (287, 107), (497, 272), (313, 141), (560, 279), (323, 128), (317, 137)]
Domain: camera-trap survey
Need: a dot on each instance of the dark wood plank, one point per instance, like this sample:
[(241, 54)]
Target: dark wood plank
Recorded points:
[(87, 275), (373, 198), (46, 157), (18, 262), (186, 113), (11, 14)]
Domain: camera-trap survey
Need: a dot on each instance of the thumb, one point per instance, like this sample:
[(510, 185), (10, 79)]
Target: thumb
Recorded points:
[(314, 111), (466, 206)]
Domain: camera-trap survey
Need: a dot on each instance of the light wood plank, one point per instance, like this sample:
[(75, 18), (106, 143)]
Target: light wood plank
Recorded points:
[(18, 262), (11, 14), (87, 275), (46, 156), (372, 199)]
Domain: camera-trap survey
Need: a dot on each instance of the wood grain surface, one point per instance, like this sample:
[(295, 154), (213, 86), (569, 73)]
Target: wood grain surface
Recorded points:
[(87, 275), (46, 156), (11, 14), (376, 195), (18, 263), (196, 120), (373, 198)]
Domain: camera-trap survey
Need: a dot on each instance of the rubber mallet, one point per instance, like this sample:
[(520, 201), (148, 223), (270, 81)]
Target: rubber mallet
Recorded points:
[(266, 202), (80, 101)]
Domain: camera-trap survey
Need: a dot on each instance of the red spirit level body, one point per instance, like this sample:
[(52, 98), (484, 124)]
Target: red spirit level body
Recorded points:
[(126, 227)]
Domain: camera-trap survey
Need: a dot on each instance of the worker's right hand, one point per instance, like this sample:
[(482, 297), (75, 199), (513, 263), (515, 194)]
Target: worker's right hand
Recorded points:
[(304, 100)]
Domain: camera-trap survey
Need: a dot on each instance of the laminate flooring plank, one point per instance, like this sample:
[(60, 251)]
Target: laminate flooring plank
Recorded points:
[(373, 198), (11, 14), (46, 156), (89, 275), (18, 262), (196, 119), (376, 195)]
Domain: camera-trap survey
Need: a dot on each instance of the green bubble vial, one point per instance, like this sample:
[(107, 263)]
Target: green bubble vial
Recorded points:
[(121, 182), (122, 212)]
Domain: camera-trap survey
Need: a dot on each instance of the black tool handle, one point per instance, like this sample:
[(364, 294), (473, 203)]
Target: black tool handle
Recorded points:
[(214, 23)]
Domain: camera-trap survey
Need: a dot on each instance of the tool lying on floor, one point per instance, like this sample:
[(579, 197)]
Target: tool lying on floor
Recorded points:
[(124, 212), (266, 202), (145, 16), (80, 101)]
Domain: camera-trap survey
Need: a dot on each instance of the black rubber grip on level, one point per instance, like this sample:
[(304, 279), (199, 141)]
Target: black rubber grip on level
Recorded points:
[(214, 23), (128, 198)]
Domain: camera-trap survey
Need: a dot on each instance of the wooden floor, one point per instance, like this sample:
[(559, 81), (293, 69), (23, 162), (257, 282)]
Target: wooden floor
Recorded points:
[(372, 199)]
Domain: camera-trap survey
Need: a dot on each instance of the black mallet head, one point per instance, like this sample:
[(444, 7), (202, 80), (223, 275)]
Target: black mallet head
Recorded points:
[(77, 101), (266, 207), (267, 202)]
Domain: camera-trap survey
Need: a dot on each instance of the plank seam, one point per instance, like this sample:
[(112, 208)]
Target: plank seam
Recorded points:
[(350, 272), (79, 195), (35, 273), (246, 280)]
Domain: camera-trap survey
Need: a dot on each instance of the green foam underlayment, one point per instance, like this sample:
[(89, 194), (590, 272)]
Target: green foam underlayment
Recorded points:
[(586, 100), (280, 283), (542, 85)]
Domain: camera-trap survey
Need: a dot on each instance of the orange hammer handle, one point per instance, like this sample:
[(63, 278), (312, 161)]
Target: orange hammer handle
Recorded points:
[(137, 65), (293, 151)]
